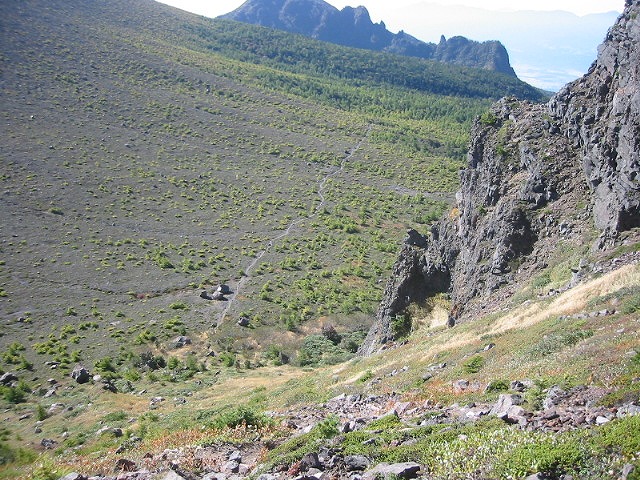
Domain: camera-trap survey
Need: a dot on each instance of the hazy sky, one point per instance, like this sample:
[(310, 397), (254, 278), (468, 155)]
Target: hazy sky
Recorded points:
[(381, 9)]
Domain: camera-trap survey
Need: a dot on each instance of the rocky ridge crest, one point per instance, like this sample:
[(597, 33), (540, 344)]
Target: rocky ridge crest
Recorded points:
[(536, 174), (352, 27)]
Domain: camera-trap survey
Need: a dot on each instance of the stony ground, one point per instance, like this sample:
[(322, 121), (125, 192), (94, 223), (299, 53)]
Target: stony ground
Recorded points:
[(561, 410)]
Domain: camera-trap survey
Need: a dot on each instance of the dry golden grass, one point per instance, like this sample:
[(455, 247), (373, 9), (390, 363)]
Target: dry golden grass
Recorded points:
[(570, 302)]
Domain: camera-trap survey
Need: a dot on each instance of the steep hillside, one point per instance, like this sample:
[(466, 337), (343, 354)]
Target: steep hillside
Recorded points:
[(151, 155), (547, 188), (140, 169), (146, 161), (353, 27)]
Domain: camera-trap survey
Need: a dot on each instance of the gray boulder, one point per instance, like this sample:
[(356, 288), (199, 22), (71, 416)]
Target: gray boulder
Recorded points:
[(7, 378), (180, 342), (80, 374), (397, 470), (73, 476), (218, 296), (310, 460), (554, 397), (171, 475), (355, 463)]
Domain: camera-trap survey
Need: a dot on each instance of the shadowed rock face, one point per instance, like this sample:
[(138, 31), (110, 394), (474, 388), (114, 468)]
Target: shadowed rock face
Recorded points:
[(353, 27), (536, 174)]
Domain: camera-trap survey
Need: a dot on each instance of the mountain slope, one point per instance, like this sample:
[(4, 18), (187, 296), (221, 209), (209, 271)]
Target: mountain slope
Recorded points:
[(538, 178), (144, 164), (140, 169), (353, 27)]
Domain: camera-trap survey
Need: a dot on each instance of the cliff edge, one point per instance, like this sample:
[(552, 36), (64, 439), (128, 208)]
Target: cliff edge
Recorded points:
[(539, 178)]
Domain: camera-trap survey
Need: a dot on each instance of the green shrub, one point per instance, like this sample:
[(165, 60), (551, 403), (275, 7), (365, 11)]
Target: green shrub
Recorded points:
[(319, 350), (239, 416), (105, 365), (541, 280), (401, 326), (366, 376), (7, 454), (17, 394), (179, 306), (473, 365), (488, 118), (41, 413), (550, 457), (118, 416), (228, 359), (620, 436), (497, 386), (556, 341), (631, 305)]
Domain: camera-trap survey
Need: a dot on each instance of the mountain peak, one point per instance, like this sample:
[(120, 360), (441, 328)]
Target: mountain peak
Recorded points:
[(353, 27)]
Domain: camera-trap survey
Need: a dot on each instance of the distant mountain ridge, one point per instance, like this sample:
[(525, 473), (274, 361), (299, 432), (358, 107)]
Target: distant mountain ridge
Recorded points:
[(353, 27)]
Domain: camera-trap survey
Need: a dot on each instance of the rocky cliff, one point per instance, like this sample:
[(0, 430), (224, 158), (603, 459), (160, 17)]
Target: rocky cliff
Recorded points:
[(353, 27), (537, 175)]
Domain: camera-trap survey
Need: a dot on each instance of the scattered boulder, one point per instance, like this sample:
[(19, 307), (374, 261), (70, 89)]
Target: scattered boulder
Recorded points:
[(460, 386), (218, 296), (508, 409), (222, 476), (232, 466), (355, 463), (627, 470), (171, 475), (80, 374), (627, 410), (244, 322), (124, 465), (7, 378), (554, 397), (204, 294), (116, 432), (397, 470), (48, 443), (309, 461), (236, 456), (521, 385), (505, 402), (224, 289), (55, 408), (180, 342), (73, 476)]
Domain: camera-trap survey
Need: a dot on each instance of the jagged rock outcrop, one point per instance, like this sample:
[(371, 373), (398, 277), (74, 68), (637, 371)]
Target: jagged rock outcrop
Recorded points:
[(353, 27), (601, 114), (536, 174)]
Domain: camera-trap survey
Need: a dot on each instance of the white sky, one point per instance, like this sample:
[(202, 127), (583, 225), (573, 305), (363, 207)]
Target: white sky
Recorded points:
[(381, 9)]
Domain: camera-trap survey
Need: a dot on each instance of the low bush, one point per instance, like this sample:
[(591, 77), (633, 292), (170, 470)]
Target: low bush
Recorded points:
[(497, 386), (240, 416), (473, 365)]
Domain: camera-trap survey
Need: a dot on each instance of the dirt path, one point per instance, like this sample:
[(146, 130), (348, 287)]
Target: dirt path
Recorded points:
[(239, 285)]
